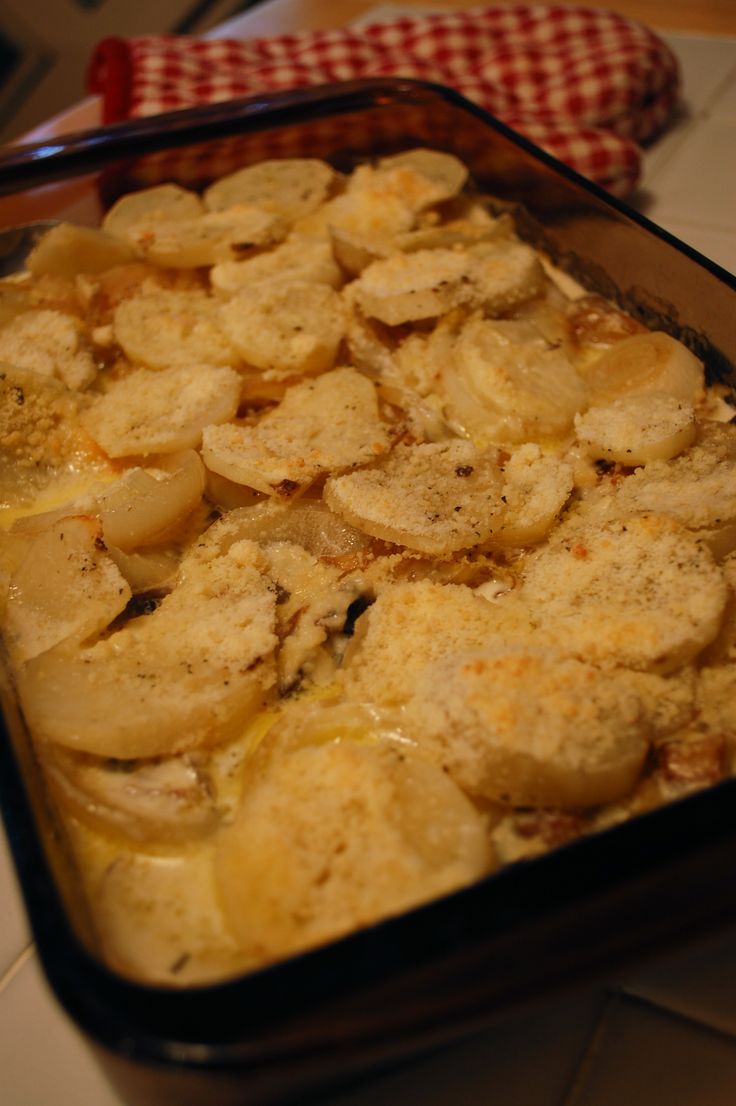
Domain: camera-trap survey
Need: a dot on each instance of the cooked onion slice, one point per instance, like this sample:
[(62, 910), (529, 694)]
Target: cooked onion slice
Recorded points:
[(141, 509), (646, 363), (507, 383), (146, 801), (65, 588)]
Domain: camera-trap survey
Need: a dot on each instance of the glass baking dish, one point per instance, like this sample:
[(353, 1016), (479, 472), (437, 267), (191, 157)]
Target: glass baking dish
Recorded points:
[(319, 1020)]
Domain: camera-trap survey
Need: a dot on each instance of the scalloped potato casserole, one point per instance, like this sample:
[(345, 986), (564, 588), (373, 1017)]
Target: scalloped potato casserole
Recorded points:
[(349, 552)]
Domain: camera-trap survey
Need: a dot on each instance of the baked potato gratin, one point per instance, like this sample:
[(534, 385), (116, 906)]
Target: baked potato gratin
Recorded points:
[(349, 552)]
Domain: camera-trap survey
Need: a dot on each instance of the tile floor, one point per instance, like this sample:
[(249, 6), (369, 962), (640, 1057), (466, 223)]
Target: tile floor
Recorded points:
[(665, 1036)]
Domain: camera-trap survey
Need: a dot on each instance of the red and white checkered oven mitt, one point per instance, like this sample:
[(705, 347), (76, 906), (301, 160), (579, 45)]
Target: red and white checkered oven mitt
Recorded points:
[(588, 86)]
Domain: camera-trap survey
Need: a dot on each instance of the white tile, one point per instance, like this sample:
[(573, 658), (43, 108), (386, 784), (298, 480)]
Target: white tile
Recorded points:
[(43, 1060), (698, 183), (642, 1056), (723, 105), (530, 1060), (14, 932), (707, 73), (705, 64)]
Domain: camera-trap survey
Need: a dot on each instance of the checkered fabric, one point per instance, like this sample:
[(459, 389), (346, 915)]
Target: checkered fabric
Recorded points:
[(588, 86)]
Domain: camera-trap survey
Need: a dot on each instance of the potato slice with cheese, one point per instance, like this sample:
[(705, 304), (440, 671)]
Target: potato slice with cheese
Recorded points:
[(165, 328), (50, 343), (637, 428), (639, 591), (445, 172), (437, 497), (536, 489), (162, 412), (325, 425), (293, 260), (413, 624), (426, 283), (191, 673), (286, 329), (161, 204), (337, 833), (42, 442), (290, 187), (68, 250), (698, 487), (530, 728), (215, 236), (409, 287)]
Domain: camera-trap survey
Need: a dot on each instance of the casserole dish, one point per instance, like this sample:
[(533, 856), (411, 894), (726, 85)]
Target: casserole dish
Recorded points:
[(307, 1024)]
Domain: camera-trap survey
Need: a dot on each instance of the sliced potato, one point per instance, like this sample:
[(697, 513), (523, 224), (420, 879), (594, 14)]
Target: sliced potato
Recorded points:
[(160, 918), (445, 171), (142, 508), (415, 623), (50, 343), (162, 412), (160, 204), (426, 283), (697, 487), (531, 728), (67, 250), (438, 497), (325, 425), (293, 260), (504, 275), (410, 287), (290, 187), (165, 328), (339, 833), (286, 329), (640, 592), (42, 441), (191, 673), (209, 238), (637, 429), (536, 488)]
